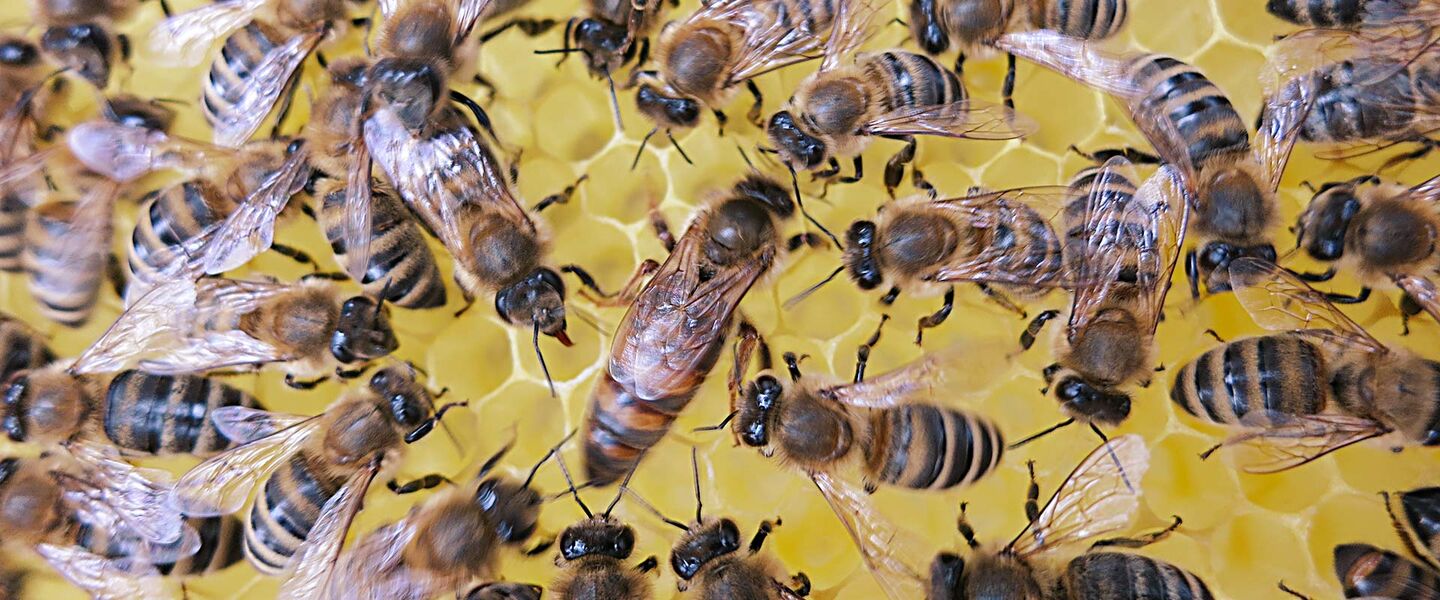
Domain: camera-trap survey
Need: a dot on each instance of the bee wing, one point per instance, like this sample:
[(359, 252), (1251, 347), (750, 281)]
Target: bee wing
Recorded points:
[(467, 14), (156, 319), (184, 39), (222, 483), (117, 496), (1288, 441), (375, 566), (260, 91), (851, 29), (971, 119), (1100, 496), (882, 545), (357, 222), (314, 561), (14, 171), (250, 230), (123, 153), (1304, 52), (1104, 239), (770, 41), (242, 424), (1280, 301), (989, 210), (1165, 200), (1422, 290), (104, 578)]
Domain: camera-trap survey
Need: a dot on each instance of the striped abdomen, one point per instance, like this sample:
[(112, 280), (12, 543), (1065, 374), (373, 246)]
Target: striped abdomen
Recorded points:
[(1024, 243), (1283, 374), (921, 446), (1204, 118), (12, 229), (1350, 106), (285, 511), (219, 546), (242, 53), (907, 79), (401, 263), (1118, 576), (167, 220), (621, 427), (809, 17), (1367, 571), (168, 414), (1319, 13), (22, 349), (65, 256), (1085, 19), (1113, 189)]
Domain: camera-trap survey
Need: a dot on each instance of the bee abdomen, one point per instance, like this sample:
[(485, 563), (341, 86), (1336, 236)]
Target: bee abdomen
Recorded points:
[(401, 263), (921, 446), (242, 53), (813, 17), (23, 349), (910, 79), (221, 545), (1319, 13), (284, 512), (1181, 94), (620, 427), (1367, 571), (1275, 374), (1117, 576), (168, 414), (1085, 19), (65, 262), (12, 231), (168, 219)]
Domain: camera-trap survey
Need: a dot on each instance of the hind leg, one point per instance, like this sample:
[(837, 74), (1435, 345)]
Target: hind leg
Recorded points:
[(895, 167)]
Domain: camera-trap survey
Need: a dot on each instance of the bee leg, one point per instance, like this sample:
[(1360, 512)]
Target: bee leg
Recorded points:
[(424, 483), (484, 84), (761, 533), (917, 179), (481, 118), (801, 240), (895, 167), (540, 547), (1216, 336), (662, 229), (827, 172), (296, 255), (116, 274), (890, 296), (1344, 299), (1007, 91), (792, 363), (754, 113), (962, 524), (1140, 541), (1032, 494), (859, 164), (561, 197), (529, 27), (1130, 154), (624, 297), (165, 8), (720, 121), (999, 297), (289, 100), (1192, 273), (305, 208), (648, 564), (862, 354), (934, 320), (960, 64), (1316, 277), (1286, 589), (349, 374), (801, 583), (1408, 308), (326, 275), (302, 384), (747, 342), (1425, 147)]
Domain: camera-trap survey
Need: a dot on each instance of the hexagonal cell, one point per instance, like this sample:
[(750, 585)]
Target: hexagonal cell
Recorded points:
[(1205, 494), (1254, 550), (572, 121), (1169, 28)]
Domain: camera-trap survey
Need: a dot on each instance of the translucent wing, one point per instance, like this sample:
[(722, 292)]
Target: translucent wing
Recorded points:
[(1280, 301), (1106, 241), (1422, 290), (467, 14), (375, 566), (851, 29), (222, 483), (895, 387), (771, 42), (156, 319), (1289, 441), (314, 561), (17, 170), (1100, 496), (972, 119), (880, 542), (184, 39), (104, 578), (242, 424), (262, 89), (1035, 211), (1287, 103), (357, 223), (250, 230), (1165, 203), (117, 496), (123, 153)]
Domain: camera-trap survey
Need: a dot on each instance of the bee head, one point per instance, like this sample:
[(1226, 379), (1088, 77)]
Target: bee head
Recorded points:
[(1215, 259), (671, 112), (537, 299), (600, 536), (1325, 222), (44, 406), (17, 52), (753, 421), (85, 48), (859, 258), (409, 402), (513, 509), (363, 332), (797, 148), (926, 29), (947, 572), (132, 111), (606, 45), (410, 88), (1090, 403), (700, 547)]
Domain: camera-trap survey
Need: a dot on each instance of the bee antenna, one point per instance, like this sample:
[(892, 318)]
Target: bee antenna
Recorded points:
[(553, 450), (614, 101), (535, 339), (795, 184), (695, 469), (634, 495), (641, 151), (1047, 431), (745, 156), (1105, 443), (560, 458), (624, 484), (800, 297), (677, 147)]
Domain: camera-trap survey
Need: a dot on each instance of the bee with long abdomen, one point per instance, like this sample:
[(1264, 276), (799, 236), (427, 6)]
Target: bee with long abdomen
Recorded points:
[(593, 551), (677, 325), (1320, 386), (66, 252), (80, 34), (184, 326), (1194, 127), (309, 470)]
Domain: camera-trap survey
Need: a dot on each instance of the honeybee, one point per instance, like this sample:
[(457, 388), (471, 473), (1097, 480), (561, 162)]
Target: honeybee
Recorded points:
[(451, 538), (676, 327), (1194, 127), (22, 347), (67, 245), (1008, 239), (1122, 242), (592, 554), (417, 52), (1099, 497), (184, 327), (142, 413), (610, 35), (1366, 390), (819, 426), (259, 60), (1345, 14), (311, 473), (837, 111), (706, 57), (80, 34)]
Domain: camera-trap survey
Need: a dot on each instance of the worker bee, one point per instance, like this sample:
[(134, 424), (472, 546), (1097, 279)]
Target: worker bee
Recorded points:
[(81, 36), (610, 35), (417, 52), (451, 538), (677, 325), (22, 347), (1100, 496), (1345, 14), (311, 472), (1194, 127), (184, 326), (593, 551), (142, 413), (706, 57), (1378, 230), (839, 109), (1367, 390), (67, 248), (1123, 243)]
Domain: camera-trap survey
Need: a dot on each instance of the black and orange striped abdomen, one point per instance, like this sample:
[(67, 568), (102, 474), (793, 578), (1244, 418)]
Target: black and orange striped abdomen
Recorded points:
[(1203, 116), (906, 79), (921, 446), (169, 218), (168, 414), (621, 427), (65, 255), (1370, 572), (1118, 576), (401, 263), (1085, 19), (242, 53), (220, 546), (284, 512), (1283, 374)]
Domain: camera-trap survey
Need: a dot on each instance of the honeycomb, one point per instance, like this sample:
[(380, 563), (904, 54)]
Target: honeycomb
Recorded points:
[(1242, 533)]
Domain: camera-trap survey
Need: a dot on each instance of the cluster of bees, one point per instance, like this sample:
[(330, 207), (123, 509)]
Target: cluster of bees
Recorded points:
[(1360, 76)]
